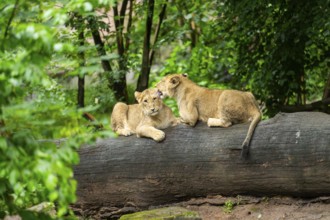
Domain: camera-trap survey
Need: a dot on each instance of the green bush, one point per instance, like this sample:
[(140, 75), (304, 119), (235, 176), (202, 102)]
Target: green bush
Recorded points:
[(35, 109)]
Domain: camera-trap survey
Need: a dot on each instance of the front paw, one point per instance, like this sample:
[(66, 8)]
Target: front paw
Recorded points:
[(159, 136), (124, 132)]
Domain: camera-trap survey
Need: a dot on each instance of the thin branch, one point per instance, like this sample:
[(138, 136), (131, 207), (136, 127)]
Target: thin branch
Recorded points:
[(118, 86), (123, 12), (115, 16), (9, 21), (143, 79), (99, 43), (81, 54), (119, 28), (129, 25), (160, 21), (181, 5)]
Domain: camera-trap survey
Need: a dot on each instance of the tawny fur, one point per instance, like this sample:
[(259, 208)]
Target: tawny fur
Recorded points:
[(219, 108), (143, 119)]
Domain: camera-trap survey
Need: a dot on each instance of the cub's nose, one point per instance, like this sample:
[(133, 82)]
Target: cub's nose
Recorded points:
[(153, 110), (159, 93)]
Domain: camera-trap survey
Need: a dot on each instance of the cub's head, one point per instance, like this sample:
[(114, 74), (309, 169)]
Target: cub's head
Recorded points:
[(150, 101), (168, 85)]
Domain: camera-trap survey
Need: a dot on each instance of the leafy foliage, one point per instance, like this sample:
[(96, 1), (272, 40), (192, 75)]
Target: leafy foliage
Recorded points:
[(277, 49), (228, 206), (204, 53), (35, 108), (280, 45)]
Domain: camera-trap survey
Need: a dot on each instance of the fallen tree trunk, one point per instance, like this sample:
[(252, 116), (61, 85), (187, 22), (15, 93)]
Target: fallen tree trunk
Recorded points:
[(289, 155)]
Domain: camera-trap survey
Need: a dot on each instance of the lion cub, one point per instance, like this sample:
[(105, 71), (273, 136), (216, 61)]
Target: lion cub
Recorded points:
[(216, 107), (144, 119)]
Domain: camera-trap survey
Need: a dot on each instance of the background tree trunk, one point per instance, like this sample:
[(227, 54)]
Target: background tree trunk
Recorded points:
[(160, 21), (143, 79), (119, 19), (118, 86), (81, 79), (289, 155)]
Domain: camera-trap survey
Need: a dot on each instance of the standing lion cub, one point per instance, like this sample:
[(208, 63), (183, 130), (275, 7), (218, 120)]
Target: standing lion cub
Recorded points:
[(219, 108), (144, 119)]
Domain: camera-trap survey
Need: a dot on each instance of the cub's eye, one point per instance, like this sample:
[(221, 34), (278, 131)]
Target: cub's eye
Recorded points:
[(155, 98), (145, 101)]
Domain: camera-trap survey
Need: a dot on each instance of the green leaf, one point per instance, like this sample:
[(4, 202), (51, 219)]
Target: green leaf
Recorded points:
[(3, 144)]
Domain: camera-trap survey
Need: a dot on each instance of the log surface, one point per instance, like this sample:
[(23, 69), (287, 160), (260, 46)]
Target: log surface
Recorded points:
[(289, 155)]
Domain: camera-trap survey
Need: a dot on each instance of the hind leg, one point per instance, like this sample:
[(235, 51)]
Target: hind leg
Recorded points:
[(218, 122), (222, 118)]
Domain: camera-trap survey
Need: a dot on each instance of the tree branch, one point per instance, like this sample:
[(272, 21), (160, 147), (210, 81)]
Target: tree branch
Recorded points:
[(98, 42), (160, 21), (117, 86), (81, 54), (119, 28), (321, 105), (143, 80), (129, 25), (123, 12), (9, 22)]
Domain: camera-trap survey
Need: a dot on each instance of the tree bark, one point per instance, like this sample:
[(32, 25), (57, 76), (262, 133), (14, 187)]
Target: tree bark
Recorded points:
[(289, 155)]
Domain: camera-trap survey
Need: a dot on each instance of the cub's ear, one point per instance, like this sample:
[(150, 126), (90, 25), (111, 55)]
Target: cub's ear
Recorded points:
[(184, 74), (174, 81), (137, 96)]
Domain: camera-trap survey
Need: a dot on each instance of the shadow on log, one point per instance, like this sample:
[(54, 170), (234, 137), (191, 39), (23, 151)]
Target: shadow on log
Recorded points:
[(289, 155)]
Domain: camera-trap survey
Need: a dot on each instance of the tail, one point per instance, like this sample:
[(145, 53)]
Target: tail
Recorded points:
[(246, 143)]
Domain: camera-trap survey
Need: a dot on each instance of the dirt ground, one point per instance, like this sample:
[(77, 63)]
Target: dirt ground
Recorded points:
[(234, 208), (252, 208)]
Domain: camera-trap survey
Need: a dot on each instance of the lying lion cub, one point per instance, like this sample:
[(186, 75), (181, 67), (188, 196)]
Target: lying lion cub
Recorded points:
[(145, 119), (216, 107)]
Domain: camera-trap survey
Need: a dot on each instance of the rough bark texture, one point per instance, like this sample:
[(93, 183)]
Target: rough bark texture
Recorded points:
[(289, 155)]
